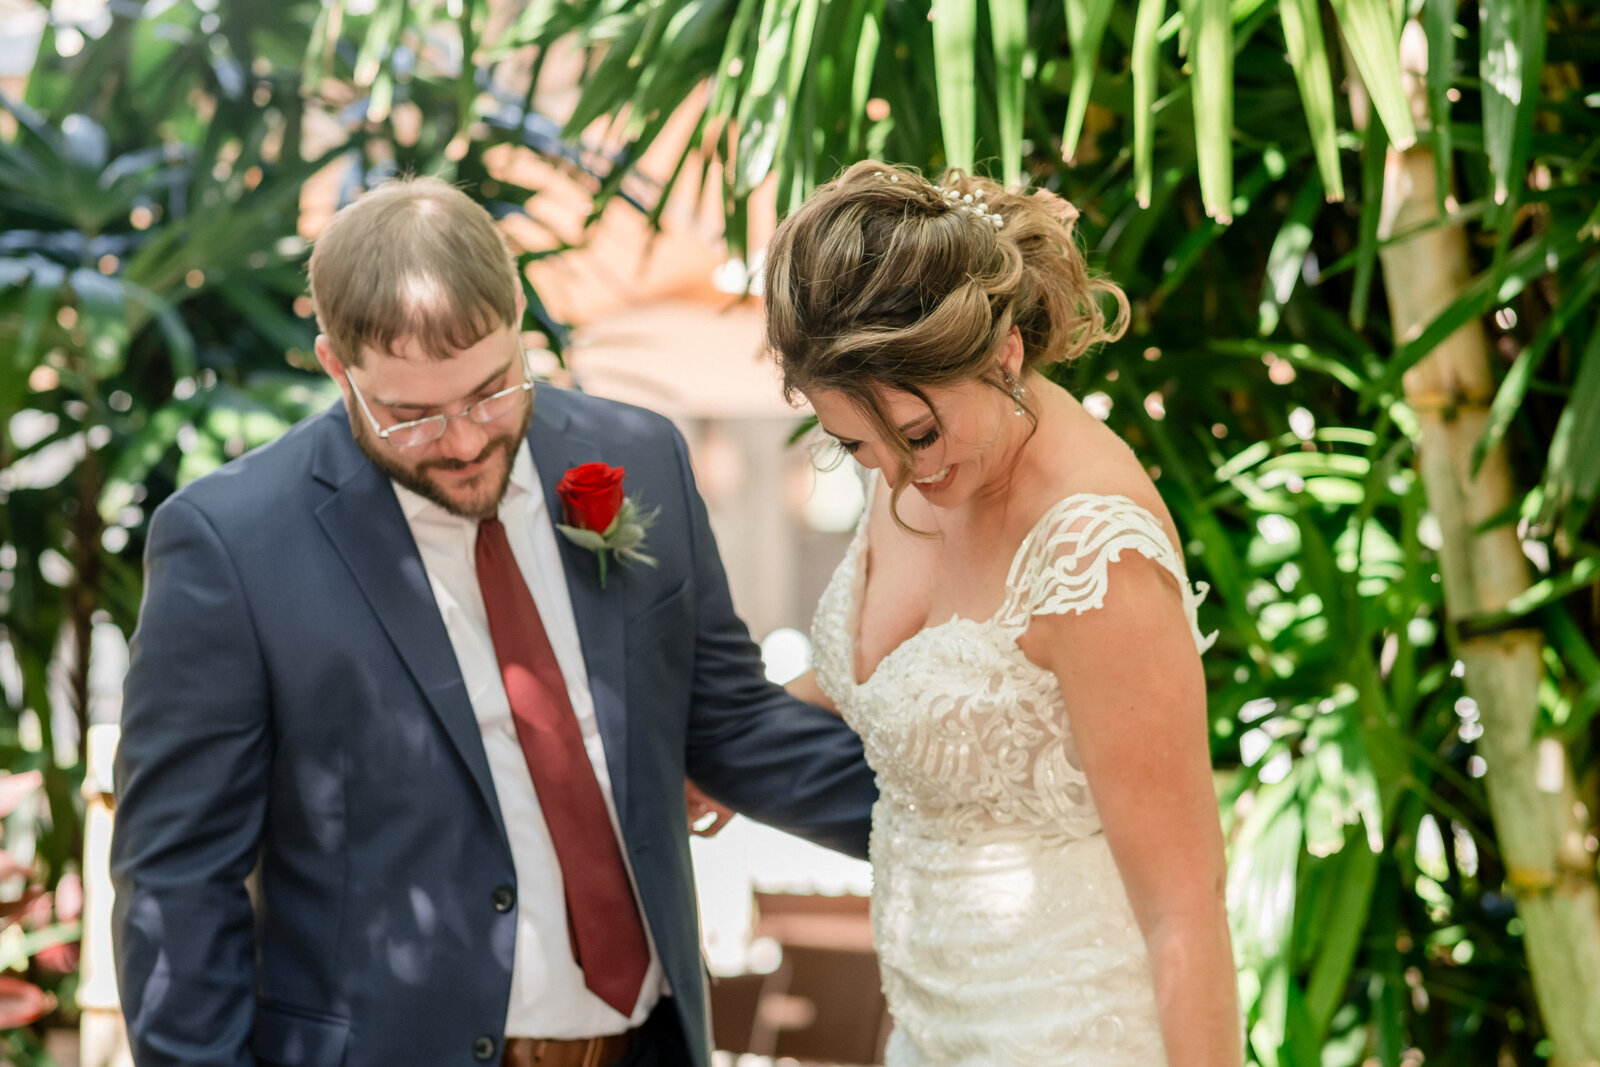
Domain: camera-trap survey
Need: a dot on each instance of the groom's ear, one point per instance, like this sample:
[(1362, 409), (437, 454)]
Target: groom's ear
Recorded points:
[(330, 362)]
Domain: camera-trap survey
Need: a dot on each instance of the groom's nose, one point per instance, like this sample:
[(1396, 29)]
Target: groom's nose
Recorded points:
[(463, 439)]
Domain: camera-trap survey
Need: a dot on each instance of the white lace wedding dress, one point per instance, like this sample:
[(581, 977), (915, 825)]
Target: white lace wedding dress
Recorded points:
[(1003, 929)]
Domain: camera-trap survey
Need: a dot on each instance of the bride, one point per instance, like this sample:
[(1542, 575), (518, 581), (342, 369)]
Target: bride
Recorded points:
[(1012, 634)]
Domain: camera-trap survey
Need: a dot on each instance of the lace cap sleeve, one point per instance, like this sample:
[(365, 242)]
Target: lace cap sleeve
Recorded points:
[(1063, 565)]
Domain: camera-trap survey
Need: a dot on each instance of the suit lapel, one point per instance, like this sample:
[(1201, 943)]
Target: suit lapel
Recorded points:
[(365, 523), (598, 612)]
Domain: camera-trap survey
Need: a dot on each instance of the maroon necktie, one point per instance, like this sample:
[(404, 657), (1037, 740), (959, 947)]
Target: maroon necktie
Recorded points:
[(607, 936)]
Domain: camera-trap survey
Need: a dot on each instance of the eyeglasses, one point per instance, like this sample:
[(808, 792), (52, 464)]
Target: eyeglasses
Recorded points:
[(422, 431)]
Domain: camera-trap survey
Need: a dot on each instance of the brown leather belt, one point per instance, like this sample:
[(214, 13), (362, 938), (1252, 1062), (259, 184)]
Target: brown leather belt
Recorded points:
[(578, 1052)]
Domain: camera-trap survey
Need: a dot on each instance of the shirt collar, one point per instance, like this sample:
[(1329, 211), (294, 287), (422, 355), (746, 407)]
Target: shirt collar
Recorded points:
[(524, 482)]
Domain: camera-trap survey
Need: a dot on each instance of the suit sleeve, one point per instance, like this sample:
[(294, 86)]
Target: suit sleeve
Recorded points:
[(752, 746), (191, 779)]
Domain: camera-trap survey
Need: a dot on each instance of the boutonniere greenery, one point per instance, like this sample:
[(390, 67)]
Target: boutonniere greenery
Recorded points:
[(601, 517)]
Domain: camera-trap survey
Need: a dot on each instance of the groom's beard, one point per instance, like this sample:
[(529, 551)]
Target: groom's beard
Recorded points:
[(478, 498)]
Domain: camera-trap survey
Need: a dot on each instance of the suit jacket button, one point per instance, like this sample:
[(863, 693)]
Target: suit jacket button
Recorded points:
[(503, 898), (483, 1048)]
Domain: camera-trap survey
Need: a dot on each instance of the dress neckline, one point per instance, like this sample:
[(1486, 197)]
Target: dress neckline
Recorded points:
[(855, 592)]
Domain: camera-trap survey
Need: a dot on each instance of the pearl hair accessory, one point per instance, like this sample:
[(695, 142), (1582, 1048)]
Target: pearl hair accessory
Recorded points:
[(973, 205)]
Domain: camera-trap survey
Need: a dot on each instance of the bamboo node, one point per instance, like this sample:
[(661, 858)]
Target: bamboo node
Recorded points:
[(1566, 878), (1494, 627), (1449, 404), (1530, 881)]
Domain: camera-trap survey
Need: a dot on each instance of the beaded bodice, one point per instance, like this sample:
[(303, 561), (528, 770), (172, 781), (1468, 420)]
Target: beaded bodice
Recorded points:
[(962, 728)]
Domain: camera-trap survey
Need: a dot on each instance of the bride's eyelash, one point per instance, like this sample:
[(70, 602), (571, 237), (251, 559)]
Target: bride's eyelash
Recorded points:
[(927, 440)]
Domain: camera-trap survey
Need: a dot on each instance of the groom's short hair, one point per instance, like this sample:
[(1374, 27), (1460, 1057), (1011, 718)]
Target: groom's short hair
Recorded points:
[(414, 259)]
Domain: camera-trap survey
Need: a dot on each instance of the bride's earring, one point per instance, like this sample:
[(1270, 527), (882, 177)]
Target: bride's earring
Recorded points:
[(1019, 392)]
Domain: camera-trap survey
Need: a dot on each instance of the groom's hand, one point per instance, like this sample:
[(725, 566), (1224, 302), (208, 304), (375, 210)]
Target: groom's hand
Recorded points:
[(706, 816)]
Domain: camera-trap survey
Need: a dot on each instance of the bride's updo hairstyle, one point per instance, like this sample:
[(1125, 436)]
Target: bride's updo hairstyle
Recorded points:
[(885, 279)]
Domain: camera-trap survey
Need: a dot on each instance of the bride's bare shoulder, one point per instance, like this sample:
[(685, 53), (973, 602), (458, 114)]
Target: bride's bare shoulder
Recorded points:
[(1088, 458)]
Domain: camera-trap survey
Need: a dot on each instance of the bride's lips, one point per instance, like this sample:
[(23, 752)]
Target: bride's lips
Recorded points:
[(937, 481)]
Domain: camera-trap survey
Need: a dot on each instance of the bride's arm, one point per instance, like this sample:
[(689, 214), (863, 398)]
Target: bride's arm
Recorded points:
[(1136, 703), (805, 688)]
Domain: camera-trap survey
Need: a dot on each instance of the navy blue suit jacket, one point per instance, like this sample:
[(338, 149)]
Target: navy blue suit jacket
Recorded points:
[(293, 702)]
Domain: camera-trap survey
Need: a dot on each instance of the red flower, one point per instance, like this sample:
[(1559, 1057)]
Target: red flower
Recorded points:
[(591, 496)]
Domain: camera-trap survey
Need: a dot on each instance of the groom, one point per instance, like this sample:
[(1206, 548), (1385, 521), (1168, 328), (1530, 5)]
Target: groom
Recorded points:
[(370, 666)]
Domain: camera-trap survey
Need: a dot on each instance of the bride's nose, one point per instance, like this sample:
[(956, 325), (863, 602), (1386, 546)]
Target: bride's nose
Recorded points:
[(867, 455)]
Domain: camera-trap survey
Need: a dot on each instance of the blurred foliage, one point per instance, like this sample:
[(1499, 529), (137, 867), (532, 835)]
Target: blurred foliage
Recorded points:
[(149, 190), (153, 323), (1230, 179), (38, 927)]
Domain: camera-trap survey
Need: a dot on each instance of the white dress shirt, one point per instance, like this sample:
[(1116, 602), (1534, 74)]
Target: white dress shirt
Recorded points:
[(548, 997)]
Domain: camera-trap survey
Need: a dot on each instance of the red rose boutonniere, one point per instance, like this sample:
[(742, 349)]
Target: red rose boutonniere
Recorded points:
[(600, 517)]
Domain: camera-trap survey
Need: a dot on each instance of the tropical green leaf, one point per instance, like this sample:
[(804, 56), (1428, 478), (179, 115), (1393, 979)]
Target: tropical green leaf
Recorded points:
[(800, 61), (1511, 41), (615, 79), (44, 282), (1509, 397), (1572, 468), (1584, 572), (1008, 27), (1439, 19), (955, 31), (761, 113), (1287, 259), (1194, 244), (102, 302), (1534, 258), (866, 58), (1300, 355), (1352, 896), (1144, 58), (152, 443), (1209, 25), (1374, 148), (730, 69), (17, 950), (1374, 40), (1308, 55), (1086, 25)]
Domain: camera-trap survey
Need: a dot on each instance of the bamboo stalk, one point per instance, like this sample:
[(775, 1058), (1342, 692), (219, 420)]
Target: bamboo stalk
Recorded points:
[(1539, 822)]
